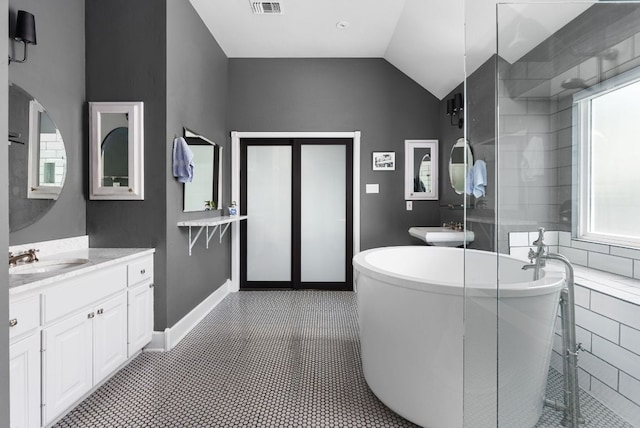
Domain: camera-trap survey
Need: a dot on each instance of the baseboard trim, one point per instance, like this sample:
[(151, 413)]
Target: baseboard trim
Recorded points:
[(166, 340)]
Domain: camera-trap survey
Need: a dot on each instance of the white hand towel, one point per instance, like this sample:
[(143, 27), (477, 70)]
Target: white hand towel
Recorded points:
[(182, 161)]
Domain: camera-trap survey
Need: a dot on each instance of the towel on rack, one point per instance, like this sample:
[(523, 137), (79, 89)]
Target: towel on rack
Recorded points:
[(477, 179), (182, 160)]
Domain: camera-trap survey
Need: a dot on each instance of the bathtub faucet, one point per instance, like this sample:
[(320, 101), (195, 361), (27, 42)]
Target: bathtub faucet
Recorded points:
[(572, 416), (537, 255)]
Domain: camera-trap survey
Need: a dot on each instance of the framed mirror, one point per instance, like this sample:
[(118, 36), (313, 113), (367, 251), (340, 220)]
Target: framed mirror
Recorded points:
[(421, 169), (206, 185), (116, 143), (460, 162), (37, 159)]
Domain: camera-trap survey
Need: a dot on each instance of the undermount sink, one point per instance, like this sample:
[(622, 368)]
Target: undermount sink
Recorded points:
[(442, 236), (46, 266)]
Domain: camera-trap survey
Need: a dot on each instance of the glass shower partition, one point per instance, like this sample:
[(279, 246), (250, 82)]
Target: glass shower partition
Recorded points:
[(508, 330), (536, 113)]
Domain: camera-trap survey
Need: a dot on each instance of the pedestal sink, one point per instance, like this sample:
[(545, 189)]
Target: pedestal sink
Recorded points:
[(46, 266), (442, 236)]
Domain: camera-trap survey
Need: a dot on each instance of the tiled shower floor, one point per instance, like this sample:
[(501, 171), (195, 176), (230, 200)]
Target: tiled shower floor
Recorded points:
[(264, 359)]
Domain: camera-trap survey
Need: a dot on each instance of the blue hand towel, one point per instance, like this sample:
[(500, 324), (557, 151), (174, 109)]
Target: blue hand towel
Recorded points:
[(479, 178), (468, 185), (182, 160), (476, 179)]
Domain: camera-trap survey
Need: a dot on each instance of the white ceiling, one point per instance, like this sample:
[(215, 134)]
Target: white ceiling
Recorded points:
[(425, 39)]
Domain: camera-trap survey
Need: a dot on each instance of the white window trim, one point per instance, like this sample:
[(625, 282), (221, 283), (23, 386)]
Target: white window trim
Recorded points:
[(582, 127)]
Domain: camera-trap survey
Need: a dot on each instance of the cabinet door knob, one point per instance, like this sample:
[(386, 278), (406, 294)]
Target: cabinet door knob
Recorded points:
[(142, 271), (91, 315), (100, 311), (13, 322), (150, 285)]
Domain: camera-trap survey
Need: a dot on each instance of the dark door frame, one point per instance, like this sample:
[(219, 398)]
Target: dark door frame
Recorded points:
[(295, 282), (234, 284)]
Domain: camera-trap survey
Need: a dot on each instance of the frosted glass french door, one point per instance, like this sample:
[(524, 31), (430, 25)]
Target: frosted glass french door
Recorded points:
[(297, 194)]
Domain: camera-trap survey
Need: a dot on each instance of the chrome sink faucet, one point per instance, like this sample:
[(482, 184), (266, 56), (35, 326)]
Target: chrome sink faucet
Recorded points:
[(538, 255), (28, 256)]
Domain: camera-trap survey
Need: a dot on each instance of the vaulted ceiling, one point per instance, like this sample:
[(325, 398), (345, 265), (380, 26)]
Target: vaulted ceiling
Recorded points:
[(428, 40)]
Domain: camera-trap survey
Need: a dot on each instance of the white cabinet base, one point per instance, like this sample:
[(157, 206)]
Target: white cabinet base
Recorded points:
[(24, 372), (109, 337), (140, 300), (67, 364)]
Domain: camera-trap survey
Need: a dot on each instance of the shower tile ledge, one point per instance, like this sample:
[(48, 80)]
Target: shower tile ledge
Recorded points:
[(618, 286)]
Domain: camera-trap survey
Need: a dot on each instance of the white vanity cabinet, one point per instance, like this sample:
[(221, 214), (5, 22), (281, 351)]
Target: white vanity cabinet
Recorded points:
[(24, 372), (24, 362), (140, 301), (81, 351), (109, 337), (66, 364), (69, 335)]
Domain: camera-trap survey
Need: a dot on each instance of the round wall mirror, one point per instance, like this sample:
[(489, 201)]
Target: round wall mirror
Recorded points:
[(37, 160), (460, 162)]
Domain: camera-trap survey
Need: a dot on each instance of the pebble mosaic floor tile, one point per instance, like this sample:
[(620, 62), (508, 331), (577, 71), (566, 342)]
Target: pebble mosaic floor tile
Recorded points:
[(264, 359)]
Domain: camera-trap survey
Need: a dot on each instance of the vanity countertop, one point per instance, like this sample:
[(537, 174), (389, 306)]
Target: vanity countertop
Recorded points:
[(98, 258)]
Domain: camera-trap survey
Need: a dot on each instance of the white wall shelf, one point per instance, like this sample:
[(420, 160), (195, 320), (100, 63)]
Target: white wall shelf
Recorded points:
[(222, 223)]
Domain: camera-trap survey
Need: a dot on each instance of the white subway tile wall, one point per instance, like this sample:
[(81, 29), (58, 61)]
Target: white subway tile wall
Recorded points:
[(630, 339), (607, 317), (602, 326), (613, 264)]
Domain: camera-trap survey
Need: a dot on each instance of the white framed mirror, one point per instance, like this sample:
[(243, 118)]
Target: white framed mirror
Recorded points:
[(37, 159), (47, 155), (421, 169), (116, 145), (207, 174), (460, 162)]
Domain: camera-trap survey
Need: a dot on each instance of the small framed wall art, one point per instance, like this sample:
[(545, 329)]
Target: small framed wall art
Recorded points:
[(384, 161)]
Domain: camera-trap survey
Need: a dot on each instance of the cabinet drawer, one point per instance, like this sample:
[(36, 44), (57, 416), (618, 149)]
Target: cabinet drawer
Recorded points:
[(76, 293), (140, 270), (24, 315)]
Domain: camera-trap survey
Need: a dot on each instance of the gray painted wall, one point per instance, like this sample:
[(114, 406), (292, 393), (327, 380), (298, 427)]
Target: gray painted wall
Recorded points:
[(369, 95), (176, 67), (480, 125), (4, 226), (481, 133), (448, 137), (197, 78), (54, 75), (126, 61)]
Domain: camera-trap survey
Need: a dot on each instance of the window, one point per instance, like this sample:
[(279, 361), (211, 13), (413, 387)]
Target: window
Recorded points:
[(608, 131)]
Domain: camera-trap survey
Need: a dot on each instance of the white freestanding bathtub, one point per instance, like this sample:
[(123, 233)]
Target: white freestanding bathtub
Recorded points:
[(440, 349)]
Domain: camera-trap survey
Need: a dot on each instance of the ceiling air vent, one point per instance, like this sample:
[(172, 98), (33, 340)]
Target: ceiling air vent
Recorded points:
[(266, 8)]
